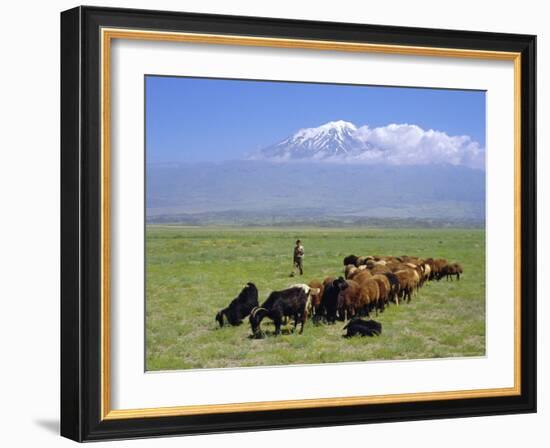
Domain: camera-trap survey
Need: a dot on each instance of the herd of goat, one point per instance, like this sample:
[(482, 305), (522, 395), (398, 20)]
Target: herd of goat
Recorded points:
[(369, 285)]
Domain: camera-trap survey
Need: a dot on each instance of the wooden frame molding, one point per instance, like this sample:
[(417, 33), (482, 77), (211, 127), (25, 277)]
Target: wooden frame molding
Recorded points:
[(107, 36)]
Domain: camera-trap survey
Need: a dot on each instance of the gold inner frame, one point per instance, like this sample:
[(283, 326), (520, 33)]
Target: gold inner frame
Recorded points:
[(107, 35)]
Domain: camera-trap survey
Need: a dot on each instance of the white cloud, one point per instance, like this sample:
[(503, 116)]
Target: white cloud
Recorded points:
[(408, 144)]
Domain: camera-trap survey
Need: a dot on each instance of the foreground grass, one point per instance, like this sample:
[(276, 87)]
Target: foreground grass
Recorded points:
[(193, 272)]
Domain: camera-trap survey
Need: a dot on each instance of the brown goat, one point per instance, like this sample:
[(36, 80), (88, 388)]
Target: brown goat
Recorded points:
[(384, 288), (380, 269), (449, 270), (370, 296), (349, 270), (348, 300), (437, 267), (358, 299), (407, 283), (361, 275), (316, 297)]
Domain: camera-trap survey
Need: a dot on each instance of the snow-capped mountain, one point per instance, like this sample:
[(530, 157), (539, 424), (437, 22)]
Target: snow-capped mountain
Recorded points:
[(336, 139), (394, 144)]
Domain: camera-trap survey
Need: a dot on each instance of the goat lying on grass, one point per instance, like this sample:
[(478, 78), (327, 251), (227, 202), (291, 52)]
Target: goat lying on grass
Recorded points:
[(363, 328)]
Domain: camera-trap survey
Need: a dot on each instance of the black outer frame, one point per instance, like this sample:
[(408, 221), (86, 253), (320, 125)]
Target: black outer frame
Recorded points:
[(80, 223)]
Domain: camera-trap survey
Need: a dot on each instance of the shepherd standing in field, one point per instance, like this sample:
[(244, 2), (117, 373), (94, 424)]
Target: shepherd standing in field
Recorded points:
[(298, 258)]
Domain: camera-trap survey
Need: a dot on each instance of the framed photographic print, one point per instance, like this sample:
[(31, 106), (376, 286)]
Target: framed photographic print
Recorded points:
[(274, 223)]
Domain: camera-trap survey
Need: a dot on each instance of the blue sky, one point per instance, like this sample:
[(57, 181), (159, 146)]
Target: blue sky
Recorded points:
[(209, 120)]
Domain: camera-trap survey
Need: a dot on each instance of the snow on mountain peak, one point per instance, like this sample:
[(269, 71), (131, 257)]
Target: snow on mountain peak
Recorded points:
[(339, 125), (332, 127), (335, 138)]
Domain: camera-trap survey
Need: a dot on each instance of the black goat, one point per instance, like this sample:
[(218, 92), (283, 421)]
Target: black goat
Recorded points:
[(329, 301), (394, 287), (350, 259), (240, 306), (363, 328), (291, 302)]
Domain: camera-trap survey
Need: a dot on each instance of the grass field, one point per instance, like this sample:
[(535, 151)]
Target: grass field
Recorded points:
[(193, 272)]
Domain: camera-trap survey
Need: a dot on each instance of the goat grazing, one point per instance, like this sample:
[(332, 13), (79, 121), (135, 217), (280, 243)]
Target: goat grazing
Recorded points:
[(240, 306), (291, 302)]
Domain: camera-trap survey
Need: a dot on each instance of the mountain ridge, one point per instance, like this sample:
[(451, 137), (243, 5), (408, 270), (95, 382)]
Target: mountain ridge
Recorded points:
[(313, 191)]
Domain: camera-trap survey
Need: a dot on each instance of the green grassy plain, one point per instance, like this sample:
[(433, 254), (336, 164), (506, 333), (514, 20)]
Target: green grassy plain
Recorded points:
[(192, 272)]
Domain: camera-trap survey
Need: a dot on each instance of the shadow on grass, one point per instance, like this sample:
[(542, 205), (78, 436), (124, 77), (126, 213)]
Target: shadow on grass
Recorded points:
[(271, 334)]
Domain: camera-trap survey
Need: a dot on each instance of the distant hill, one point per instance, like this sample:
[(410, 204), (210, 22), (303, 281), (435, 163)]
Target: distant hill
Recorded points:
[(259, 192)]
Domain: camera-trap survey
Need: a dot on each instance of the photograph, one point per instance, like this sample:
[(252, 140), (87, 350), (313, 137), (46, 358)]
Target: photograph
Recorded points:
[(291, 223)]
